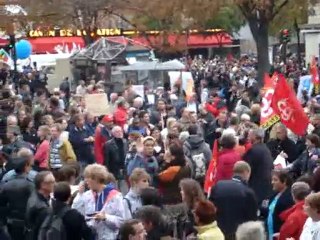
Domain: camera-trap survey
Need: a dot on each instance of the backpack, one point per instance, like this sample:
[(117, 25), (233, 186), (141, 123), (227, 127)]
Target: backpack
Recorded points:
[(53, 228), (197, 163)]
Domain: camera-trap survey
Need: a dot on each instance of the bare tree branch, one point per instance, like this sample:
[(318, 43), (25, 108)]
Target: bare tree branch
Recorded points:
[(278, 9)]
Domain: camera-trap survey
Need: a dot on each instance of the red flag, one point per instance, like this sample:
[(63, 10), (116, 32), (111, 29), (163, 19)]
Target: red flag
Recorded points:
[(287, 106), (267, 116), (210, 179)]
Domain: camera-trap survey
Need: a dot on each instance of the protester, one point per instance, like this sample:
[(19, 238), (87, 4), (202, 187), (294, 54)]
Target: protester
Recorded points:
[(115, 151), (198, 153), (102, 205), (75, 227), (38, 203), (227, 157), (279, 202), (205, 219), (132, 230), (306, 163), (251, 231), (139, 180), (235, 201), (261, 163), (61, 151), (24, 153), (294, 218), (102, 134), (311, 229), (42, 154), (153, 222), (82, 141), (174, 169), (191, 193), (282, 145), (145, 159), (14, 196)]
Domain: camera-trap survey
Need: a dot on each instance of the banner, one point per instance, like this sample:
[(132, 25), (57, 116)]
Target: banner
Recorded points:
[(97, 104), (305, 84), (187, 84), (175, 78), (287, 106), (185, 79), (268, 117), (139, 90)]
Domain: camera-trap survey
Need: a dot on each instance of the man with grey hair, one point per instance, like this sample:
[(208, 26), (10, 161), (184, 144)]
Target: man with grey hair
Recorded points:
[(115, 151), (295, 217), (251, 231), (138, 103), (261, 163)]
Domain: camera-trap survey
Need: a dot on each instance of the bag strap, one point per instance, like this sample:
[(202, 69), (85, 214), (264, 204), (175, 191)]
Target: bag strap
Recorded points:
[(62, 212), (129, 204)]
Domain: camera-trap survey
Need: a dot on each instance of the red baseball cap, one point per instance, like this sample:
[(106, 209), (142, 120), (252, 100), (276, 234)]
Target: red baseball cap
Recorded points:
[(107, 119)]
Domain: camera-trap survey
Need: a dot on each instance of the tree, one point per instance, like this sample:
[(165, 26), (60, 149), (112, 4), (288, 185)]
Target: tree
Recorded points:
[(260, 15), (78, 14)]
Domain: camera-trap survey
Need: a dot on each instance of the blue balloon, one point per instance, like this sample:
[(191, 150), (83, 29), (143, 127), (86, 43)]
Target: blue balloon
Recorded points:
[(23, 49)]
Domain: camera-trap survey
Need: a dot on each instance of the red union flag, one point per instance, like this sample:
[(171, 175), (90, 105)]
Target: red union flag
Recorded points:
[(268, 117), (287, 106)]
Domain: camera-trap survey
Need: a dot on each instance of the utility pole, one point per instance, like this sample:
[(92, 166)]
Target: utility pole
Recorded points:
[(296, 26)]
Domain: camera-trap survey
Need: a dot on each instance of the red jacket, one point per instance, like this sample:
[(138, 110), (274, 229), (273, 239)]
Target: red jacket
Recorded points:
[(295, 219), (99, 141), (120, 116), (226, 160)]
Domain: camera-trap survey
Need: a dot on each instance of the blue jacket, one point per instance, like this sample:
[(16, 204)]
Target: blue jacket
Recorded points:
[(150, 164), (12, 174), (82, 149)]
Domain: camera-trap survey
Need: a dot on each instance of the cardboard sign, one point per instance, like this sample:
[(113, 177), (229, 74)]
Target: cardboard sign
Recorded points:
[(97, 104), (139, 90)]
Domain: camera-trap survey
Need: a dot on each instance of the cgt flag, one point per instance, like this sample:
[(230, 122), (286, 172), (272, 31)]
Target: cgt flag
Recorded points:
[(287, 106), (267, 116)]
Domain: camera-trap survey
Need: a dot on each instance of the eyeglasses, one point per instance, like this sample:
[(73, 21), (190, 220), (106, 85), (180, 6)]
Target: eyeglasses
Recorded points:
[(50, 182)]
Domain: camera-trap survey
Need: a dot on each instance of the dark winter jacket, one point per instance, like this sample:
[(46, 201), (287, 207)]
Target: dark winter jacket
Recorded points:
[(236, 204), (37, 210), (304, 164), (261, 163), (169, 179), (82, 149), (14, 196), (288, 146), (114, 157), (74, 223), (284, 202)]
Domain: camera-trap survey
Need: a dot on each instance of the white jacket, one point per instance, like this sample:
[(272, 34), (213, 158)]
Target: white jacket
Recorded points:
[(311, 230), (113, 209)]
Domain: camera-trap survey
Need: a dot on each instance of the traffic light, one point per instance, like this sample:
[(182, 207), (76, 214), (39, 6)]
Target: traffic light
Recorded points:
[(284, 36)]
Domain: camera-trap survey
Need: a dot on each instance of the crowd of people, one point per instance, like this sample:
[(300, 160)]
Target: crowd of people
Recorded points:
[(140, 171)]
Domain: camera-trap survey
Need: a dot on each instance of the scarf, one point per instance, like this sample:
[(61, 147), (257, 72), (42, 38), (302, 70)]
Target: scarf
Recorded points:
[(101, 199)]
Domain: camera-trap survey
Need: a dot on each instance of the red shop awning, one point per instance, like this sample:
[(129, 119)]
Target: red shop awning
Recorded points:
[(193, 40), (50, 44)]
